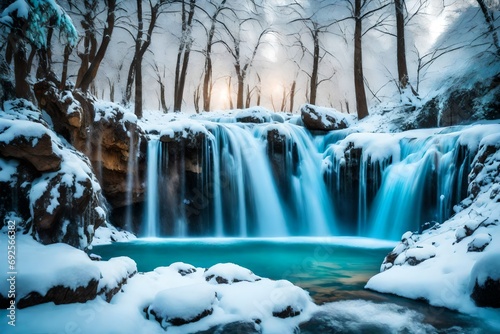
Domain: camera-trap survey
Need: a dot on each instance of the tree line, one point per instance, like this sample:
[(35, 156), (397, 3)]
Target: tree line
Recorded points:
[(41, 41)]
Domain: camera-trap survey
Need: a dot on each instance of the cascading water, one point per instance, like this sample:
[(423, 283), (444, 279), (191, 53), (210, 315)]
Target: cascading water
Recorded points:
[(151, 214), (419, 188), (279, 180)]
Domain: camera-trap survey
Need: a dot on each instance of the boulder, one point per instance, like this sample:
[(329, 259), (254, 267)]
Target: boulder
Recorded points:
[(183, 305), (322, 119), (114, 274), (254, 115), (229, 273), (61, 295), (183, 268), (480, 242), (484, 281)]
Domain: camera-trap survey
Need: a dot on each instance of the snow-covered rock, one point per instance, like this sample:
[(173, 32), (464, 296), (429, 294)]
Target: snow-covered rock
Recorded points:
[(45, 180), (229, 273), (182, 305), (62, 274), (254, 115), (323, 119), (485, 281), (479, 243), (183, 268), (114, 274)]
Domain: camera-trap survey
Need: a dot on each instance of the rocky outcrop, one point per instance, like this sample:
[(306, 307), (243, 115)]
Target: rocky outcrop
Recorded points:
[(322, 119), (61, 295), (37, 151), (459, 105), (59, 198), (106, 133)]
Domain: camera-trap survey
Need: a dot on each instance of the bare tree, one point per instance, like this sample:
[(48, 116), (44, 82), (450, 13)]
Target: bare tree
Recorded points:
[(142, 44), (160, 77), (488, 16), (360, 11), (183, 52), (314, 29), (401, 49), (242, 63), (92, 55), (208, 67)]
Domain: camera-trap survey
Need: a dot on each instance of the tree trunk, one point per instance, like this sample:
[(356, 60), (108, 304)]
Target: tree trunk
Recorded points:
[(292, 95), (21, 68), (91, 72), (240, 92), (401, 50), (207, 82), (64, 75), (488, 16), (138, 62), (314, 75), (162, 98), (359, 85), (183, 54)]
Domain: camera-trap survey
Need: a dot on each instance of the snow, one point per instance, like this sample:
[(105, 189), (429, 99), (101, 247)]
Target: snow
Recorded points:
[(260, 114), (163, 291), (41, 267), (487, 267), (230, 272), (8, 170), (108, 234), (328, 113), (115, 271), (19, 7), (184, 128), (185, 302), (480, 242)]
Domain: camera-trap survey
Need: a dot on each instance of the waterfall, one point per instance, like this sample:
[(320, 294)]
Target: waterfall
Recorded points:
[(267, 180), (151, 214), (419, 188)]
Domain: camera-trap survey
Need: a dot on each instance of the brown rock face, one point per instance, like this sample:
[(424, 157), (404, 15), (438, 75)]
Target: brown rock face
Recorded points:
[(37, 151), (109, 142), (61, 295)]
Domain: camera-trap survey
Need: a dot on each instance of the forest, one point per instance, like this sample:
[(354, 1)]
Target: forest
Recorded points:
[(206, 55)]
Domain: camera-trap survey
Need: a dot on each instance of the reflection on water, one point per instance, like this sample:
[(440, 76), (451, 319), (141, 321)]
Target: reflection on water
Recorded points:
[(334, 274)]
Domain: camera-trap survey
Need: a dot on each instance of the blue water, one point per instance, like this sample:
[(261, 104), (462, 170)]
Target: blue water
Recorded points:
[(331, 269)]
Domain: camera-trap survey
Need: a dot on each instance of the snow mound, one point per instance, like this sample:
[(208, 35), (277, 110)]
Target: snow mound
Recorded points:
[(108, 234), (114, 273), (183, 305), (228, 273), (487, 267)]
